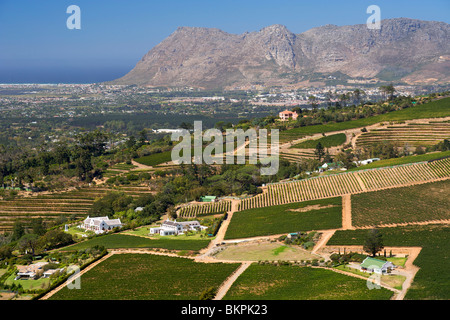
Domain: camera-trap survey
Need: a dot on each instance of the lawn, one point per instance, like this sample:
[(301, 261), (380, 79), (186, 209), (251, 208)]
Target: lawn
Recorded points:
[(144, 232), (74, 230), (398, 261), (28, 284), (327, 142), (429, 201), (301, 216), (155, 159), (264, 251), (118, 241), (435, 109), (147, 277), (393, 281), (432, 282), (269, 282)]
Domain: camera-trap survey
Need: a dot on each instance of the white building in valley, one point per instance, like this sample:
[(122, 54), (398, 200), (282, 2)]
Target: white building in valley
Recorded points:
[(170, 228), (364, 162), (100, 224)]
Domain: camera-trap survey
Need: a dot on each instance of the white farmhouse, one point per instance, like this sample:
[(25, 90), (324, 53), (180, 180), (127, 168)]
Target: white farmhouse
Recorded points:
[(170, 228), (375, 265), (364, 162), (101, 224)]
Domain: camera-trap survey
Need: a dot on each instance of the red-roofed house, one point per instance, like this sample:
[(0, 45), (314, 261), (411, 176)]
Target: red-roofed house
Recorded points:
[(287, 115)]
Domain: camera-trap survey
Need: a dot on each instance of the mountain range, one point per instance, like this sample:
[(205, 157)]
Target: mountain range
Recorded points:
[(403, 51)]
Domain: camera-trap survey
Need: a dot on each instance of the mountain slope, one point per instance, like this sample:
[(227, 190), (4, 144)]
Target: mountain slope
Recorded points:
[(410, 50)]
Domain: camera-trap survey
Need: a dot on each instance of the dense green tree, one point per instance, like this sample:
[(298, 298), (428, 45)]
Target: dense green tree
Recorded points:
[(373, 242), (388, 91), (18, 231), (28, 242), (37, 226), (53, 239), (319, 152), (5, 252)]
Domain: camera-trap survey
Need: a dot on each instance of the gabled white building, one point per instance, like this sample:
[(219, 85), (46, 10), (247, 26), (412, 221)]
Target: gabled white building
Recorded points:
[(100, 224), (170, 228)]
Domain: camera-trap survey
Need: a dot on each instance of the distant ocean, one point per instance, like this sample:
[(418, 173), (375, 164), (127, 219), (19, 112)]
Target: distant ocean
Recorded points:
[(61, 75)]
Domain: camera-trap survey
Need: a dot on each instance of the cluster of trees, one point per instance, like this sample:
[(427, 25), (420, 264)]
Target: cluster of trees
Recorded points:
[(304, 239), (74, 159), (441, 146), (373, 244), (32, 239), (382, 150), (120, 205), (188, 183), (349, 107), (346, 257), (194, 181)]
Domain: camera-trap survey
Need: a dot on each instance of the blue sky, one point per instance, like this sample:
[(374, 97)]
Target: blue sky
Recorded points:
[(36, 46)]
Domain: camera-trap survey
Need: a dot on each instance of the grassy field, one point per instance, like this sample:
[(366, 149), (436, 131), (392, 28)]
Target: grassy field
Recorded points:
[(434, 109), (28, 284), (404, 160), (147, 277), (327, 142), (144, 232), (264, 251), (429, 201), (269, 282), (117, 241), (293, 217), (155, 159), (432, 282)]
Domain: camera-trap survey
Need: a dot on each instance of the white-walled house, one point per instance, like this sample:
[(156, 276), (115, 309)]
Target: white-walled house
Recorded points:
[(170, 228), (378, 266), (364, 162), (100, 224)]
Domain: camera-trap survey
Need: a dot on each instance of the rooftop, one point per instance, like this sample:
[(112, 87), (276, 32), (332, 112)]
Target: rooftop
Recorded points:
[(372, 262)]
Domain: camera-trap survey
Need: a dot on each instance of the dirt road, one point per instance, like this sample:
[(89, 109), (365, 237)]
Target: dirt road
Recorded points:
[(226, 285), (346, 212)]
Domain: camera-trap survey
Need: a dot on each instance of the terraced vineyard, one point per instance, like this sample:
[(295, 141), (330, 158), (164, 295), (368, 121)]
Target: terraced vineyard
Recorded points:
[(304, 190), (118, 169), (414, 134), (400, 175), (74, 204), (297, 154), (326, 141), (195, 210), (348, 183)]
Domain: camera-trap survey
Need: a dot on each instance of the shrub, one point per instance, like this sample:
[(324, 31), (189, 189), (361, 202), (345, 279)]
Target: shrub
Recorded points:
[(208, 294)]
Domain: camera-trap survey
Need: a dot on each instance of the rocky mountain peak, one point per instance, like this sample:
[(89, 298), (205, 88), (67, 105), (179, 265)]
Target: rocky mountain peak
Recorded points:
[(403, 49)]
